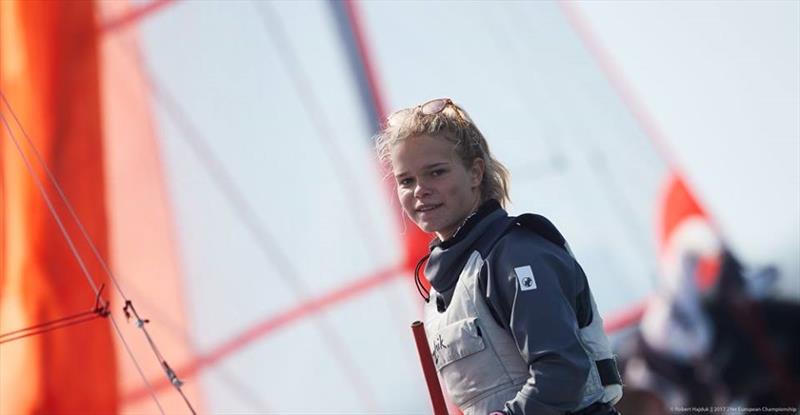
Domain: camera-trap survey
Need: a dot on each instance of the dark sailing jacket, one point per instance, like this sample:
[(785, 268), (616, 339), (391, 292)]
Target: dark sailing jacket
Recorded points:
[(511, 322)]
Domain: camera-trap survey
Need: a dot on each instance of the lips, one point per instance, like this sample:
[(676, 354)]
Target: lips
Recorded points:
[(427, 208)]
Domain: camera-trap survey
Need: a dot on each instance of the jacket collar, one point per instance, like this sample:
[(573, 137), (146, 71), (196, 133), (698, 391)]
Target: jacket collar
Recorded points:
[(483, 211), (447, 257)]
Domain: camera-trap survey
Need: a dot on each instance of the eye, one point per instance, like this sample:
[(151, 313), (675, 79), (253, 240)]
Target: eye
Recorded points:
[(405, 181), (438, 172)]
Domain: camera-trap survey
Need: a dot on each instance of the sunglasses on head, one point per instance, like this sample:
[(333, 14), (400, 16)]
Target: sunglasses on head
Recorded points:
[(432, 107)]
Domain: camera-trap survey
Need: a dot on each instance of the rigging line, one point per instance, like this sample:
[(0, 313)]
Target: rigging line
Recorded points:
[(49, 329), (264, 241), (276, 31), (173, 377), (616, 79), (171, 374), (63, 197), (50, 206), (349, 19), (227, 186), (101, 309), (69, 240), (519, 18), (43, 326), (243, 390), (140, 322), (225, 183), (148, 386), (238, 387), (283, 319), (326, 135), (278, 36), (618, 82), (48, 323), (617, 320), (616, 197), (557, 159)]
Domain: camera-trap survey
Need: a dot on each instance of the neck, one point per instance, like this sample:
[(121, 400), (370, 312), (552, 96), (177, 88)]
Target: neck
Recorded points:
[(475, 205)]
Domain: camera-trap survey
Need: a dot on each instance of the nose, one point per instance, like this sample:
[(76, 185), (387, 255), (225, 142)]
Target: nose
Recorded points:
[(421, 190)]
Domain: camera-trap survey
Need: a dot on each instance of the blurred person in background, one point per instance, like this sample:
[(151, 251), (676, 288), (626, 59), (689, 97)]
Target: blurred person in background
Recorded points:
[(510, 318), (711, 336)]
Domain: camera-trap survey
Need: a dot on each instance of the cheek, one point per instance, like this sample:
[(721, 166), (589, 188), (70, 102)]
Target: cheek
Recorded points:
[(456, 188), (404, 196)]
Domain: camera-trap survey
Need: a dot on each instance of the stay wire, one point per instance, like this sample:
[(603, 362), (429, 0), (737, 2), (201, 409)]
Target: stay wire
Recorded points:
[(48, 323), (138, 367), (130, 309), (133, 55), (63, 197), (616, 198), (276, 31), (53, 326), (170, 374), (266, 243), (46, 198), (100, 310), (326, 135), (57, 218), (243, 391)]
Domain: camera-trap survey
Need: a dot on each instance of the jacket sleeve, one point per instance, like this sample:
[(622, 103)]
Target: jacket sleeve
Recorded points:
[(541, 318)]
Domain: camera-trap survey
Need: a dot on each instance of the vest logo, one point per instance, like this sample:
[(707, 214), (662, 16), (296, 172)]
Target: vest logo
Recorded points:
[(525, 277), (438, 344)]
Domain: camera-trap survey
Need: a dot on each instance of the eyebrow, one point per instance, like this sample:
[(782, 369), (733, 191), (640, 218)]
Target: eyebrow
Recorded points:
[(427, 167)]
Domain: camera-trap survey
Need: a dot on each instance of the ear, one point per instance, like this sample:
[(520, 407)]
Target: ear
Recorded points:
[(476, 171)]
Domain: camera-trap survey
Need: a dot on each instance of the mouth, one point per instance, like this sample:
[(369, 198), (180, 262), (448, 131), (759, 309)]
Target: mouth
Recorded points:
[(428, 208)]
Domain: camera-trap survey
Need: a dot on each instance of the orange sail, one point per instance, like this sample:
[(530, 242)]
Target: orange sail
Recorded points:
[(49, 79)]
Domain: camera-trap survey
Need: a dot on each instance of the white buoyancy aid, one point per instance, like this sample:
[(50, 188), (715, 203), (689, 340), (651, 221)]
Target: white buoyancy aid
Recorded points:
[(476, 358), (480, 362)]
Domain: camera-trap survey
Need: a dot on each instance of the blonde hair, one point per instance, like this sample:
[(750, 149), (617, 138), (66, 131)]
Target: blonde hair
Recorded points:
[(454, 125)]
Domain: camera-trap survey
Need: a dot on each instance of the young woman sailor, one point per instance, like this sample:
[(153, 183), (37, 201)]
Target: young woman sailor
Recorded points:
[(511, 322)]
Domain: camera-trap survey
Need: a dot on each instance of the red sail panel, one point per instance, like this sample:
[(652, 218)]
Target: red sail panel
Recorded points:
[(144, 251), (49, 76)]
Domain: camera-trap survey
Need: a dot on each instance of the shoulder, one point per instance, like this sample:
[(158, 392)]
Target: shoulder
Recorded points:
[(522, 250), (521, 244)]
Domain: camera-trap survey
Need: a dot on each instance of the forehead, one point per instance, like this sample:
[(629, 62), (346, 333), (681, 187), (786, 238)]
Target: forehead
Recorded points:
[(420, 151)]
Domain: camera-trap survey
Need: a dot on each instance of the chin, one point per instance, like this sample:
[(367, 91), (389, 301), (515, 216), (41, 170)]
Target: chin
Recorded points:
[(427, 227)]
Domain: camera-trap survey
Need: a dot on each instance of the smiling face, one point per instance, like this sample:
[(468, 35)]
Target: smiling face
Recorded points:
[(435, 189)]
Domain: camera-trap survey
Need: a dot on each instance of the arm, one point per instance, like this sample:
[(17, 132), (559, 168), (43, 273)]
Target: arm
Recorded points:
[(541, 320)]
